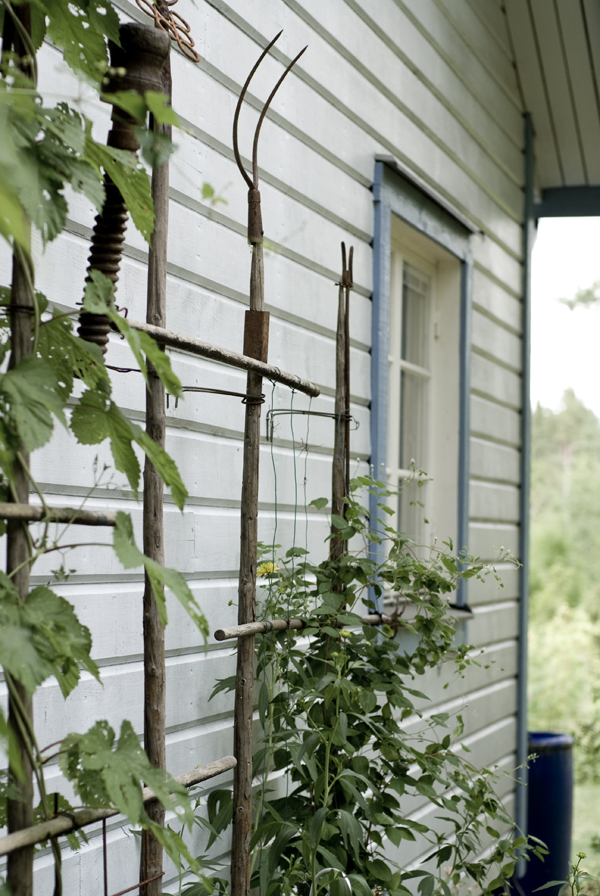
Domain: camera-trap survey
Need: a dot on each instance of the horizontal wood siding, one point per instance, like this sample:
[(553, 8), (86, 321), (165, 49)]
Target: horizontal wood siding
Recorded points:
[(430, 82)]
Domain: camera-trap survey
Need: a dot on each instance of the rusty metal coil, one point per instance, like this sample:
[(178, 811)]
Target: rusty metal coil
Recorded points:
[(105, 256)]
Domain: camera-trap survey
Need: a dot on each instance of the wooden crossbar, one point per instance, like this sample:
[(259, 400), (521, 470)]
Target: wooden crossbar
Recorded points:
[(225, 356), (28, 513), (282, 625), (79, 818)]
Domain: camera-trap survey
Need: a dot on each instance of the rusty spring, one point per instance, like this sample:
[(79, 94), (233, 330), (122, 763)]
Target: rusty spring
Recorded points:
[(105, 256)]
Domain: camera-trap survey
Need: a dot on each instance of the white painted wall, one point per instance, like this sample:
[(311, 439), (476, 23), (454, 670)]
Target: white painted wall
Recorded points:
[(429, 81)]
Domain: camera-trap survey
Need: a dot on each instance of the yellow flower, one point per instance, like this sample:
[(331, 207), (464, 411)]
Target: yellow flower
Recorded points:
[(267, 568)]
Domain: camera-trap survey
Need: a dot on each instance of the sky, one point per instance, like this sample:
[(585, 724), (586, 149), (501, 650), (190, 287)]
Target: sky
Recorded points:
[(565, 344)]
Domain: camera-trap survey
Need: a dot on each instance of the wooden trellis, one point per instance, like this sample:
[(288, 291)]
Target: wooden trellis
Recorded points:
[(146, 54)]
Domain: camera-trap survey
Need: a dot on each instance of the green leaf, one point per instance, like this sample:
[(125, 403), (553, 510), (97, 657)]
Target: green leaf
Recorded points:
[(319, 503), (69, 356), (338, 521), (99, 299), (59, 636), (107, 772), (160, 576), (32, 392), (129, 101), (40, 637), (132, 180), (96, 418), (351, 831), (367, 700), (379, 870), (80, 29), (316, 825), (158, 104)]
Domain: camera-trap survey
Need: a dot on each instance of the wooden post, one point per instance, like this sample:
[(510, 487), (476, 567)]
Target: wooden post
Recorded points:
[(18, 554), (338, 473), (19, 875), (340, 477), (155, 684), (256, 344)]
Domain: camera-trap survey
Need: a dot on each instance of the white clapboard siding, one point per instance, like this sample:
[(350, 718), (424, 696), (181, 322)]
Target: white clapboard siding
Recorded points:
[(494, 462), (488, 540), (396, 29), (492, 299), (496, 59), (454, 50), (431, 82), (308, 98), (492, 421)]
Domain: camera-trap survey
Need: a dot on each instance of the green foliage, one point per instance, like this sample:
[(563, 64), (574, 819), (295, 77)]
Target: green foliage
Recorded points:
[(160, 576), (41, 637), (577, 881), (105, 771), (565, 577), (343, 722), (45, 152)]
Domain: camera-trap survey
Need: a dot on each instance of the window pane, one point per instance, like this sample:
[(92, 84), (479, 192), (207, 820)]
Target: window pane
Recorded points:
[(415, 316), (413, 419)]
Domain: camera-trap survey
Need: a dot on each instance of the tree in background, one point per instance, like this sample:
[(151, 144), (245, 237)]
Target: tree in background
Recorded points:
[(565, 565)]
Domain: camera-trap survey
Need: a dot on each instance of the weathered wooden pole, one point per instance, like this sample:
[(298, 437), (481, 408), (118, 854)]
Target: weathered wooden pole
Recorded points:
[(155, 679), (19, 875), (256, 343), (340, 475)]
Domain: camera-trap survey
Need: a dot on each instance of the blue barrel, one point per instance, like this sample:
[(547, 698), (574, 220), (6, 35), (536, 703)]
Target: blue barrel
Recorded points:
[(550, 808)]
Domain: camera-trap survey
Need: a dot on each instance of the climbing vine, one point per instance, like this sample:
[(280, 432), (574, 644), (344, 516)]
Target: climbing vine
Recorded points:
[(45, 151), (348, 750)]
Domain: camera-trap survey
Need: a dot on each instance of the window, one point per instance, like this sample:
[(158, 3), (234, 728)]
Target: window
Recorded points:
[(423, 384), (416, 226)]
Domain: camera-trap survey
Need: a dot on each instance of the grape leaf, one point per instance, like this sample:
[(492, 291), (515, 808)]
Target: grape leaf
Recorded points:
[(42, 636), (80, 28), (33, 395), (107, 772)]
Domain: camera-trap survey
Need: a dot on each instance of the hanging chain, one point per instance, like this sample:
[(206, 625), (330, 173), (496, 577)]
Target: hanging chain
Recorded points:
[(175, 25)]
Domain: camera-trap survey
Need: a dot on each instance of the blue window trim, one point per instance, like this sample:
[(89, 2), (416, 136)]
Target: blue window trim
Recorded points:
[(395, 194), (522, 732)]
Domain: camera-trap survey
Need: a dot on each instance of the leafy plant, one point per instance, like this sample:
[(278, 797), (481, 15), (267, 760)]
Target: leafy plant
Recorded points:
[(577, 881), (46, 151), (345, 744)]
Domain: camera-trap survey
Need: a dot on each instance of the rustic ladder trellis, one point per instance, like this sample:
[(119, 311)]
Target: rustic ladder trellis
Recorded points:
[(151, 50)]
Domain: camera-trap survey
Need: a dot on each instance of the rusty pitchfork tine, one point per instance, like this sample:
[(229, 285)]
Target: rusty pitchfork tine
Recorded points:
[(238, 109), (264, 112), (253, 184)]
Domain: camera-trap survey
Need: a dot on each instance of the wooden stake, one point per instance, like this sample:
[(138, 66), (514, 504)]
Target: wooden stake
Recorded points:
[(340, 477), (19, 875), (18, 554), (154, 636), (338, 473), (75, 515), (256, 344)]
